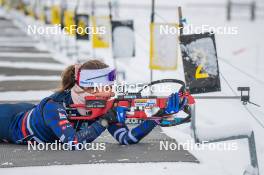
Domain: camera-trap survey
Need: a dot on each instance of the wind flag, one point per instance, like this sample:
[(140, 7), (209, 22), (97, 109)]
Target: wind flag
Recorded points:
[(69, 22), (31, 10), (42, 15), (82, 22), (123, 38), (101, 37), (55, 15), (200, 63), (163, 46), (63, 9), (47, 14)]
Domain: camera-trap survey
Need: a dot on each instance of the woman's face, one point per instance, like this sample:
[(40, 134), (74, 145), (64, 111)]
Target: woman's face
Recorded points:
[(105, 92)]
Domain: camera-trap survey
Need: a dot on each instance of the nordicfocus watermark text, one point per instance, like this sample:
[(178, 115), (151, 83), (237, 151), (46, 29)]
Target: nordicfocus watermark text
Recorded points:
[(58, 146), (56, 29), (122, 87), (191, 29), (204, 145)]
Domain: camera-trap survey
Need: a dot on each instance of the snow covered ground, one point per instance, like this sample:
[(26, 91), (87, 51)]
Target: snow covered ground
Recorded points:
[(128, 169), (243, 51)]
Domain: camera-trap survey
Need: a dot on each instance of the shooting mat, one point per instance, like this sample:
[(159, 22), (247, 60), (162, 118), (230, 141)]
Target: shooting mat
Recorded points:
[(148, 150)]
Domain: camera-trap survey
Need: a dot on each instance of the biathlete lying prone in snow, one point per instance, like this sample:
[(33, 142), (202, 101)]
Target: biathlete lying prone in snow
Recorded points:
[(47, 121)]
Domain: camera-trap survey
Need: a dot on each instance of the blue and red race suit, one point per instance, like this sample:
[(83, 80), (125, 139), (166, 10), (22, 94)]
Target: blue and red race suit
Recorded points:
[(47, 122)]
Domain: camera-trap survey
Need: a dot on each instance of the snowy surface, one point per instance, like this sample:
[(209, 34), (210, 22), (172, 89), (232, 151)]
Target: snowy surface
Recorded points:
[(127, 169), (34, 77), (24, 95), (244, 50), (219, 132), (18, 55), (45, 66)]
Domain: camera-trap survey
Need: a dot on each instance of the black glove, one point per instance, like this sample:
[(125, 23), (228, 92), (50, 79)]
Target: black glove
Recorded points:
[(116, 115)]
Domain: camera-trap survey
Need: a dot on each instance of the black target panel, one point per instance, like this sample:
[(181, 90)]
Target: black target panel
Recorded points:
[(200, 63)]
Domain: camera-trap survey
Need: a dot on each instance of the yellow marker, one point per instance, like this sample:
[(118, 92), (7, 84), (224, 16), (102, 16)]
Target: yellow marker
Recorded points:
[(151, 54), (2, 2), (31, 12), (55, 15), (100, 40), (69, 21), (82, 25), (199, 75), (20, 7), (153, 51)]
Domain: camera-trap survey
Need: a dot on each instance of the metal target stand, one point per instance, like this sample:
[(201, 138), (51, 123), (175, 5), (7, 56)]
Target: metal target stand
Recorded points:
[(245, 99)]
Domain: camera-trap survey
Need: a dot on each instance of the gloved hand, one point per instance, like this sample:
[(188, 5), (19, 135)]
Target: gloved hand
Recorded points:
[(174, 105), (116, 115)]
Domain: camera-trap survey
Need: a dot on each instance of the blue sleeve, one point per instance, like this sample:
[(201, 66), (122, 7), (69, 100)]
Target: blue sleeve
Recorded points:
[(55, 117), (125, 136)]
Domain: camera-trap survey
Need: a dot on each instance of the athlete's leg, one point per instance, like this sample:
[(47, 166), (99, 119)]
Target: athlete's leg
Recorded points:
[(7, 113)]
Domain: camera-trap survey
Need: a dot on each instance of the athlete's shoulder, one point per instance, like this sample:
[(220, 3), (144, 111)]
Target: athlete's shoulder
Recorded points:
[(60, 96), (53, 105), (54, 111)]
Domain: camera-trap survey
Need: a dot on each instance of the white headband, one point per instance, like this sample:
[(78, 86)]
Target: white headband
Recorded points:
[(94, 77)]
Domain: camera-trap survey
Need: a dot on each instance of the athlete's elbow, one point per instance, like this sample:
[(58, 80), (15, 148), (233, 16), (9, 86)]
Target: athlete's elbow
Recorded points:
[(133, 142), (128, 142)]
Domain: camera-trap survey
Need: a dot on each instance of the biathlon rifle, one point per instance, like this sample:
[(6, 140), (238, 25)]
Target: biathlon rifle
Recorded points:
[(140, 107)]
